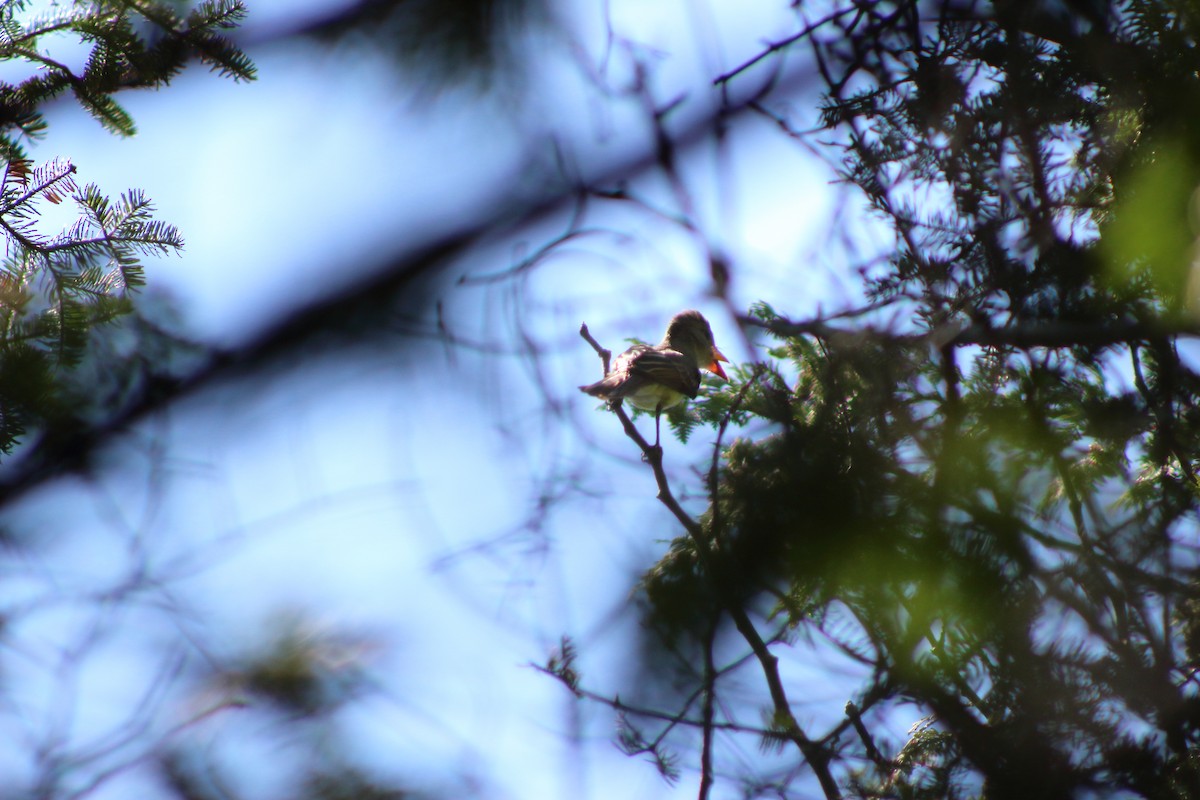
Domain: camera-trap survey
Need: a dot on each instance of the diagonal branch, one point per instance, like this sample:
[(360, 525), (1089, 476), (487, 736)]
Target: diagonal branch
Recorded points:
[(784, 722), (650, 454), (340, 317)]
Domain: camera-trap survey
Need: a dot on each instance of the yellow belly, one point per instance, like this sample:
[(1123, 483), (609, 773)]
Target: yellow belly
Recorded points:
[(653, 396)]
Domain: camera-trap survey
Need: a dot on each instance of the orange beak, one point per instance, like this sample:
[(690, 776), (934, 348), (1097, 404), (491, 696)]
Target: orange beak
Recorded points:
[(715, 366)]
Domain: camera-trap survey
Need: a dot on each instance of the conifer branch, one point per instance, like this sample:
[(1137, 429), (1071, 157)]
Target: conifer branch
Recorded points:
[(1021, 335), (58, 288), (54, 177)]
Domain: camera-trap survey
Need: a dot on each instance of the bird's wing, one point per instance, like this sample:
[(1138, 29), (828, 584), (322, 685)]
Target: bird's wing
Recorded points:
[(619, 381), (669, 368)]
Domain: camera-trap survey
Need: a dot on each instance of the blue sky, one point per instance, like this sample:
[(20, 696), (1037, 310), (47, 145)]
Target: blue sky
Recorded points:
[(392, 493)]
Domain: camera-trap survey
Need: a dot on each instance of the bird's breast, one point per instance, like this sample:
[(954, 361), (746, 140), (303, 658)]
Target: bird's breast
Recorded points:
[(652, 396)]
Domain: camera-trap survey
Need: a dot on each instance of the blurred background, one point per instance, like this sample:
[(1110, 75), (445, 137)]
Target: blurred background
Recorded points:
[(330, 567)]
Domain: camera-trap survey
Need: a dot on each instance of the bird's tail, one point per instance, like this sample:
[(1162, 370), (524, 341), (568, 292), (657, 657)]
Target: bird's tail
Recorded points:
[(604, 389)]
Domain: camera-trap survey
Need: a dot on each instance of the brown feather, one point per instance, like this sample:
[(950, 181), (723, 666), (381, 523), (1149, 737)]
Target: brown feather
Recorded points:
[(654, 377)]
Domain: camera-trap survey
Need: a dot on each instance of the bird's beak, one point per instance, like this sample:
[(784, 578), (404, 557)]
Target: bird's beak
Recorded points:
[(715, 366)]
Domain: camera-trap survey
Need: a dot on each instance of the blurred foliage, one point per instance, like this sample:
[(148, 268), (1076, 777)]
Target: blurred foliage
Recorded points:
[(980, 491), (441, 41), (295, 681), (302, 669)]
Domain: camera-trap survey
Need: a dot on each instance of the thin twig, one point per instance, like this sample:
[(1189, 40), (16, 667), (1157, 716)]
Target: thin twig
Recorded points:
[(604, 353), (784, 722), (852, 713), (816, 756), (650, 454), (617, 704), (716, 456), (782, 44), (707, 708)]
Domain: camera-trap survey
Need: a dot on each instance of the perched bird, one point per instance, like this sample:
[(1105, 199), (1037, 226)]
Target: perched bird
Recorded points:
[(655, 377)]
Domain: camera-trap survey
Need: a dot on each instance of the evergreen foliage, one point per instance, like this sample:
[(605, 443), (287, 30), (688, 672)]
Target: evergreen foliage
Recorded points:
[(978, 492), (441, 41), (58, 287), (981, 489)]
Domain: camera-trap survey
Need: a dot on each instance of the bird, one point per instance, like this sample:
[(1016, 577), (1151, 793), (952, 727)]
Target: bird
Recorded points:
[(657, 377)]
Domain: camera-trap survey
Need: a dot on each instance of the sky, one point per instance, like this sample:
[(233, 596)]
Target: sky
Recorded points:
[(395, 494)]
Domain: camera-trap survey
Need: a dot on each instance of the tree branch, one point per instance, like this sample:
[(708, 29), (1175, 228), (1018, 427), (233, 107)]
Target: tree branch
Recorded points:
[(337, 318), (855, 717), (784, 722), (617, 704), (707, 709), (650, 454), (1021, 335)]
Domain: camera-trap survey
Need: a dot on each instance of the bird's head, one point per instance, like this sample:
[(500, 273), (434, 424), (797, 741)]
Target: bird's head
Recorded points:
[(689, 332)]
